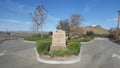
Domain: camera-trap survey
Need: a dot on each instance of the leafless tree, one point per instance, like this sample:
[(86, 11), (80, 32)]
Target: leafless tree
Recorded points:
[(64, 25), (71, 26), (75, 20), (75, 23), (38, 18)]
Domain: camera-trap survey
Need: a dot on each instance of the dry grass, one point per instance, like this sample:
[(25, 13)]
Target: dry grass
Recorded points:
[(96, 30)]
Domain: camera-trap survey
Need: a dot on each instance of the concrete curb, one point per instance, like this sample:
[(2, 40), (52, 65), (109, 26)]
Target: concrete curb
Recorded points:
[(75, 60), (98, 38), (29, 41)]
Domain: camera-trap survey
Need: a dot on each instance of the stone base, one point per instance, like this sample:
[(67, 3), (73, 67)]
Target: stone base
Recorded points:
[(57, 48)]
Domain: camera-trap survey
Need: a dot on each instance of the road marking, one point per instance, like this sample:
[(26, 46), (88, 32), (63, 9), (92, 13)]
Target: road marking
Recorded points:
[(3, 53), (115, 55)]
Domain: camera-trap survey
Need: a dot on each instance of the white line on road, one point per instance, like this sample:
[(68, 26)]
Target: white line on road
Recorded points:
[(3, 53), (115, 55)]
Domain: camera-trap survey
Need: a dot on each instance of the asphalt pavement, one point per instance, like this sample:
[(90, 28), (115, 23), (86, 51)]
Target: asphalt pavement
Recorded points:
[(100, 53)]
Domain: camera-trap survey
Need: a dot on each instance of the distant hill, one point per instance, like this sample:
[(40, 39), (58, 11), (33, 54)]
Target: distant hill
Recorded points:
[(96, 29)]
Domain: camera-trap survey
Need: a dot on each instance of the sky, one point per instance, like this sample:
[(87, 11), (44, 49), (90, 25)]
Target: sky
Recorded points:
[(14, 14)]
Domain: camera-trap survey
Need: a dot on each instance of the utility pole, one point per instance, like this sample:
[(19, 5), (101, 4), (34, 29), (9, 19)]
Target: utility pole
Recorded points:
[(118, 19), (7, 29), (117, 30)]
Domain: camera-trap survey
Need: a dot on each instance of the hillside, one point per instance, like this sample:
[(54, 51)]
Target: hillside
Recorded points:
[(96, 29)]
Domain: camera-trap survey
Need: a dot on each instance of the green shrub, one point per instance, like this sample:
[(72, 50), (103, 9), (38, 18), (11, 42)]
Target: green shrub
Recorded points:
[(90, 33), (60, 52), (54, 53), (74, 40), (36, 37), (32, 38), (79, 40), (101, 35), (43, 46), (74, 48), (85, 40), (45, 36), (50, 33)]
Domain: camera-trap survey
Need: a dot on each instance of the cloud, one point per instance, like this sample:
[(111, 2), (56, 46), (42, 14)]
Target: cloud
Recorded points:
[(112, 19), (51, 23), (2, 27), (52, 18), (86, 8), (15, 6), (112, 22), (13, 21), (20, 8)]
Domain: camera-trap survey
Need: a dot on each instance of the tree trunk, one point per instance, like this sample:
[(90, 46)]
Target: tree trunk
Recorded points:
[(41, 32)]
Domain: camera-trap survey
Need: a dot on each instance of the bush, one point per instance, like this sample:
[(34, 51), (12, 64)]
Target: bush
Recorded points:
[(90, 33), (43, 46), (50, 33), (36, 37), (102, 35), (60, 52), (45, 35), (32, 38), (74, 48), (79, 40), (56, 53), (74, 40), (85, 40)]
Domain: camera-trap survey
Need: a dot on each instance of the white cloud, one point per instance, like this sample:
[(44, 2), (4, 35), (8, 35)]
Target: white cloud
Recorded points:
[(21, 7), (112, 19), (14, 25), (2, 27), (86, 8), (112, 22), (13, 21), (15, 6), (52, 18)]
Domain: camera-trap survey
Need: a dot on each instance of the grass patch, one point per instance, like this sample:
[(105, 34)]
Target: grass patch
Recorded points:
[(36, 37), (73, 47), (43, 46), (79, 40)]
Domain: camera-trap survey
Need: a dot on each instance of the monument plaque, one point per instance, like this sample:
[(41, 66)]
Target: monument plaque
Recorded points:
[(58, 39)]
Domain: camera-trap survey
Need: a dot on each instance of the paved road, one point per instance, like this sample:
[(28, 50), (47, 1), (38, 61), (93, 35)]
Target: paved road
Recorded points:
[(100, 53)]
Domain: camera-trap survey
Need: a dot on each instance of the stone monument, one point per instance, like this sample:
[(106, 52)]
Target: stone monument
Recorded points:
[(58, 40)]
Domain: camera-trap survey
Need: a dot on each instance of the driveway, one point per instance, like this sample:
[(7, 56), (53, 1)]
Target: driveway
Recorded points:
[(100, 53)]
